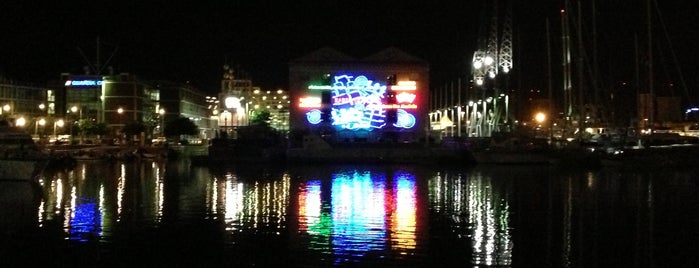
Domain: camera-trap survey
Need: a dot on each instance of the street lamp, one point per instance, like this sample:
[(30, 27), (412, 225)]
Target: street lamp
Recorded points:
[(540, 117), (58, 123), (4, 111), (21, 122), (162, 122), (41, 122), (75, 109)]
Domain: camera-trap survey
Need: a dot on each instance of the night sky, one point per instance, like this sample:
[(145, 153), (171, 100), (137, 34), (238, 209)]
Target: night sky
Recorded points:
[(191, 41)]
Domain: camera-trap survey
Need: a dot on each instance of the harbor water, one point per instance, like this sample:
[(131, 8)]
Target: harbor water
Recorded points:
[(173, 213)]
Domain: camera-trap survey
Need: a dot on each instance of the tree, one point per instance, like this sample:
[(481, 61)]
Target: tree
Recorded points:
[(150, 122), (180, 126), (92, 128), (260, 117), (133, 128)]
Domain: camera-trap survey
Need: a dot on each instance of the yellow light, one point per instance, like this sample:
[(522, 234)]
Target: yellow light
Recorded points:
[(540, 117), (21, 122)]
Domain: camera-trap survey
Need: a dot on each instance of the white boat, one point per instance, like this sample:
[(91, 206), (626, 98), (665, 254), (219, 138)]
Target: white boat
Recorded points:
[(20, 158)]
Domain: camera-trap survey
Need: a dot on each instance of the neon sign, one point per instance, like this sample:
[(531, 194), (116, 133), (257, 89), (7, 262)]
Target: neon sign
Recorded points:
[(309, 102), (404, 97), (404, 85), (83, 83), (314, 116), (360, 103)]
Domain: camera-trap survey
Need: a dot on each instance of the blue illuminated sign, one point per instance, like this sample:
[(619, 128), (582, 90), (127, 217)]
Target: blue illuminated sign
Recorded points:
[(83, 83)]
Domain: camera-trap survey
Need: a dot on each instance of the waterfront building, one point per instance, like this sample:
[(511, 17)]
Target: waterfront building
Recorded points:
[(118, 99), (242, 100), (127, 99), (379, 98), (25, 104), (184, 100)]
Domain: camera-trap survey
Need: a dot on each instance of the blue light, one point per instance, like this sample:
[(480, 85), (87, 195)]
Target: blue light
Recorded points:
[(86, 221), (405, 119), (313, 116), (84, 83)]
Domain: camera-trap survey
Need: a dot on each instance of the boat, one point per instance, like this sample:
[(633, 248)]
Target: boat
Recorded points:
[(505, 148), (20, 158), (653, 151)]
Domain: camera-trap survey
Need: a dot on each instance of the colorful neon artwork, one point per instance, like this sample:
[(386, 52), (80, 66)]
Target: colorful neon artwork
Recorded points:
[(360, 103)]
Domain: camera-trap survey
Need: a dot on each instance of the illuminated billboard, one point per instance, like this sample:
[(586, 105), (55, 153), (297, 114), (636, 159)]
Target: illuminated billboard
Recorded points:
[(356, 102), (83, 83)]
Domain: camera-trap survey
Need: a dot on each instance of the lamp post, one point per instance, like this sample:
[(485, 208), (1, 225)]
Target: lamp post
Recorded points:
[(77, 122), (5, 111), (116, 131), (162, 122), (41, 122), (539, 117), (58, 123), (225, 115)]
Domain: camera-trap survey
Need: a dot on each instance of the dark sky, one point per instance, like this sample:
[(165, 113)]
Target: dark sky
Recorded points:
[(190, 41)]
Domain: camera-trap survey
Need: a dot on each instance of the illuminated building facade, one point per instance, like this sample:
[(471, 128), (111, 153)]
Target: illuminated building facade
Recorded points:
[(119, 99), (126, 100), (22, 104), (241, 100), (183, 100), (380, 98), (81, 94)]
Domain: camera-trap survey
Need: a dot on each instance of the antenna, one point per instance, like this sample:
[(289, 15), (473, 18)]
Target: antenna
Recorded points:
[(97, 67)]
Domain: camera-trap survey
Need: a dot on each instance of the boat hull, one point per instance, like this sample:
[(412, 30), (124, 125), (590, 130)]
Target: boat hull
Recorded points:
[(21, 169)]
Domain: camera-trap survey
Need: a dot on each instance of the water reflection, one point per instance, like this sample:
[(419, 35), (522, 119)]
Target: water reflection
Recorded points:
[(372, 215), (479, 205), (367, 212), (259, 203)]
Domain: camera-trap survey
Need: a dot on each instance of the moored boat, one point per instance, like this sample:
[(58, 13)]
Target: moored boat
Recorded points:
[(20, 158)]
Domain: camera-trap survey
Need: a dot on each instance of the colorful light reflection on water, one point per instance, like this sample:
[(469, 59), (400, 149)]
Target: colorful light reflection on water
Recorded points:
[(370, 216), (365, 213)]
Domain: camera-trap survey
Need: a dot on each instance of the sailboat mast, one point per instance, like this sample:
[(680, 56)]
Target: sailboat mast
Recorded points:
[(651, 102), (582, 114), (565, 44), (550, 83)]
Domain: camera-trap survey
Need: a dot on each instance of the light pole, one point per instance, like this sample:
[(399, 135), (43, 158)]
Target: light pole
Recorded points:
[(58, 123), (120, 111), (5, 111), (162, 122), (41, 122), (225, 115), (77, 123)]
